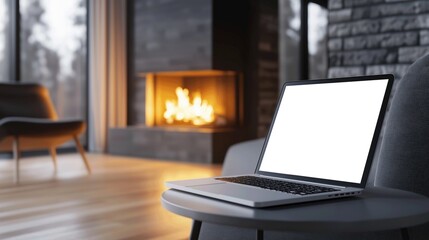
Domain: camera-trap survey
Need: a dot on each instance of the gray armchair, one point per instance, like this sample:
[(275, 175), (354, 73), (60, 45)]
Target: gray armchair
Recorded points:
[(402, 162), (404, 153), (28, 121)]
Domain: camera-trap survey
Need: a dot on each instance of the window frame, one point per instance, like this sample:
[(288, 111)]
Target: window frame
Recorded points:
[(304, 69)]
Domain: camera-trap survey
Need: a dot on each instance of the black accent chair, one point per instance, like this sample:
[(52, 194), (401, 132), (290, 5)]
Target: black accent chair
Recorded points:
[(28, 121)]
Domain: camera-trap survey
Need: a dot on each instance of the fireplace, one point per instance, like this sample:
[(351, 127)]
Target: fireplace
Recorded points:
[(191, 116), (195, 99), (202, 76)]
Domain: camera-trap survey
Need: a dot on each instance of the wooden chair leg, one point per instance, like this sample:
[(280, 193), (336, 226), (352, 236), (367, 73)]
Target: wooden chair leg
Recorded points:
[(82, 153), (15, 148), (53, 152)]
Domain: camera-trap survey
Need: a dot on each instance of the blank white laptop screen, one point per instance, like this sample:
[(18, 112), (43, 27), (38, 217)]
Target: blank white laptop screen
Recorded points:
[(325, 130)]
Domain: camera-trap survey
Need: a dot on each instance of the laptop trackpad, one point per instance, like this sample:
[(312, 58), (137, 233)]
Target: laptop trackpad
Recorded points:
[(243, 192)]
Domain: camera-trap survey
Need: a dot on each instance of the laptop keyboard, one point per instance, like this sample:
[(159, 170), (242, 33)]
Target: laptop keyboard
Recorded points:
[(278, 185)]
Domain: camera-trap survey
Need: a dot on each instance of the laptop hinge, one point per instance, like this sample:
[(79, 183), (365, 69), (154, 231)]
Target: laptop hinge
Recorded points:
[(301, 181)]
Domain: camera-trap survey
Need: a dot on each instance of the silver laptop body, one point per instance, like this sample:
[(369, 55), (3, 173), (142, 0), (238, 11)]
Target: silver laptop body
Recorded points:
[(324, 134)]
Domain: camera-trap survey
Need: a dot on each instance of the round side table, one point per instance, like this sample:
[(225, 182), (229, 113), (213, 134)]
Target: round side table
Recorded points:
[(377, 209)]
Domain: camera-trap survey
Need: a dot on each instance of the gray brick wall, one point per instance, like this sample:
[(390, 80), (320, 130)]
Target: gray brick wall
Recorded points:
[(376, 36), (267, 69), (172, 35)]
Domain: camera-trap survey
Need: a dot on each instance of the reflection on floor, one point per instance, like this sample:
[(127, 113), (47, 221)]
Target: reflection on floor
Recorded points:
[(120, 200)]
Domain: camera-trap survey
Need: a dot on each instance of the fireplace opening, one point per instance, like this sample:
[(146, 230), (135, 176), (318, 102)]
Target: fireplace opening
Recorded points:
[(198, 111), (204, 99)]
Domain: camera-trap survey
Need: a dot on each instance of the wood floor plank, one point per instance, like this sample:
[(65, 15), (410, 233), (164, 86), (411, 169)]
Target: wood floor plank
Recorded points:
[(120, 200)]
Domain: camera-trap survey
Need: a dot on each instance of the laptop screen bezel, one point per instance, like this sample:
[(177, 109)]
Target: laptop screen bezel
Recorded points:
[(374, 141)]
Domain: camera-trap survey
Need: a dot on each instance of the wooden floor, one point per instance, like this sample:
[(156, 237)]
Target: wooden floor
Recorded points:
[(120, 200)]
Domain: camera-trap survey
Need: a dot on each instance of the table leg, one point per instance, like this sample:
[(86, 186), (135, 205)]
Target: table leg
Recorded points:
[(195, 231), (404, 233), (259, 234)]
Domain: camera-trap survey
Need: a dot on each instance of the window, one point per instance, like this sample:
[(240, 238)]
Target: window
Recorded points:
[(53, 51), (317, 37), (4, 41), (290, 27), (303, 39), (45, 42)]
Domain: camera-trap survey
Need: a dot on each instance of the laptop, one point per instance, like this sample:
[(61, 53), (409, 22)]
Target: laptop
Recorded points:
[(320, 145)]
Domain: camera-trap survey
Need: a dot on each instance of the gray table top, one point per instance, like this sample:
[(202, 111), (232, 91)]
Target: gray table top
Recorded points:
[(376, 209)]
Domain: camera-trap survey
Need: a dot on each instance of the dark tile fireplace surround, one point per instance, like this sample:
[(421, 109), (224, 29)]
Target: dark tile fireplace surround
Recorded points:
[(224, 50)]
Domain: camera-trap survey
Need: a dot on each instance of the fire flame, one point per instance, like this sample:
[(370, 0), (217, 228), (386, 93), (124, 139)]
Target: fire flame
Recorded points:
[(199, 112)]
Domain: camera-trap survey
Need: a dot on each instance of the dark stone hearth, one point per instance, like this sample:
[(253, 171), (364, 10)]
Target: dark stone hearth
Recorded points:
[(173, 143)]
